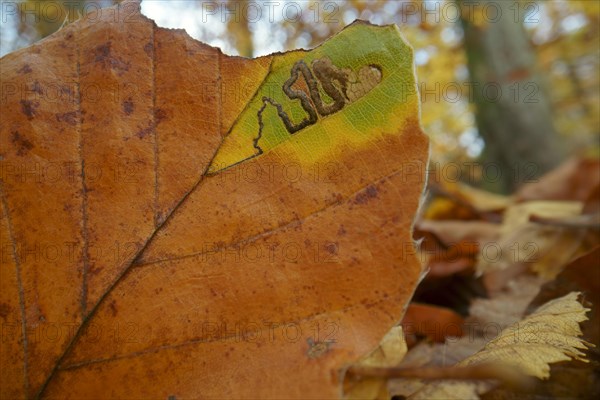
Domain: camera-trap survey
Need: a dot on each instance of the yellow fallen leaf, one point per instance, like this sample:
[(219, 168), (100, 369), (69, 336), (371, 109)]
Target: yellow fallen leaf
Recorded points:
[(389, 353), (544, 248), (549, 335), (456, 200), (482, 200), (518, 215)]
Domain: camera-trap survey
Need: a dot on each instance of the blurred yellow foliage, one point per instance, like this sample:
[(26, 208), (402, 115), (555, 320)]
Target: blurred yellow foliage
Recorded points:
[(564, 34)]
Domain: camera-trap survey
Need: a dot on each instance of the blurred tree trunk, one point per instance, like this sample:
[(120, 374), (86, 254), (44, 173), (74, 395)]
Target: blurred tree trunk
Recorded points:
[(513, 114)]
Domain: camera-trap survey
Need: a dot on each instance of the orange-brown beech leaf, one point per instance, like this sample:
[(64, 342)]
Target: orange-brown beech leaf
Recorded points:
[(172, 229), (452, 232), (449, 247), (575, 179), (458, 201), (434, 322)]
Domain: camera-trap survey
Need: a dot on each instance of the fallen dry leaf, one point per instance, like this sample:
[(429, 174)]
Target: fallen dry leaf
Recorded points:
[(444, 208), (506, 306), (482, 200), (582, 275), (452, 246), (569, 379), (549, 335), (451, 232), (168, 231), (436, 323), (459, 201), (428, 354), (520, 214), (543, 247), (389, 353), (575, 179)]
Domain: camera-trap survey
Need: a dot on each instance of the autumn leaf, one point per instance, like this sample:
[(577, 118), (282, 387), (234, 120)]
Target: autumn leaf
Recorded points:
[(451, 246), (549, 335), (435, 323), (582, 274), (507, 306), (575, 179), (180, 223), (542, 235), (456, 200), (389, 353)]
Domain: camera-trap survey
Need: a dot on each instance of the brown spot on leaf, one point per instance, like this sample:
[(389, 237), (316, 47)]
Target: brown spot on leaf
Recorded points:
[(70, 118), (160, 115), (369, 193), (23, 144), (113, 308), (37, 88), (148, 48), (93, 270), (102, 52), (332, 248), (4, 310), (105, 58), (142, 133), (336, 198), (128, 106), (25, 69), (29, 108)]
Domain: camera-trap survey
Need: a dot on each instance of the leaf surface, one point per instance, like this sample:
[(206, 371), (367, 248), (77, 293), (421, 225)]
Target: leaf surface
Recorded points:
[(167, 255)]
